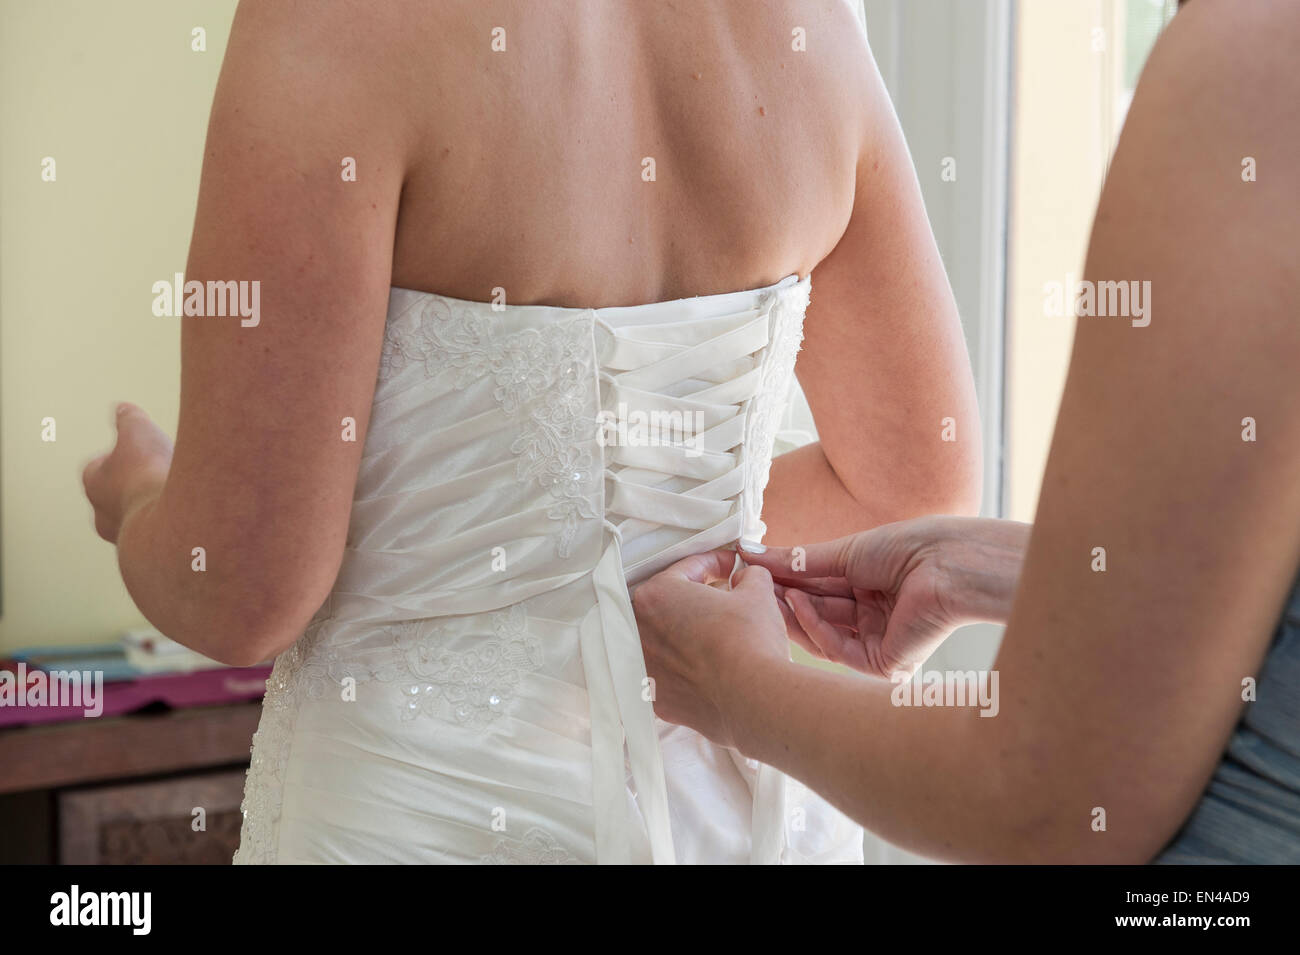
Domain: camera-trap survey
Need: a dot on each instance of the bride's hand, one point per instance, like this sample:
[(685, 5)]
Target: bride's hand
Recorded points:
[(119, 481), (883, 600)]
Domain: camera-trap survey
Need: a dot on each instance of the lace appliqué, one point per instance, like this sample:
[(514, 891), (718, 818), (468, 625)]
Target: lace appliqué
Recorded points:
[(473, 686), (264, 781), (775, 375), (543, 373), (536, 847), (470, 687)]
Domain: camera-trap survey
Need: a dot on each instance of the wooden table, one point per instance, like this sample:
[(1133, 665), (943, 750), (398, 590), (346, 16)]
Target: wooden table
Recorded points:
[(149, 787)]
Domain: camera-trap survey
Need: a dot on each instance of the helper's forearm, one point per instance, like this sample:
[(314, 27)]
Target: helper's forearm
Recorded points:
[(933, 780)]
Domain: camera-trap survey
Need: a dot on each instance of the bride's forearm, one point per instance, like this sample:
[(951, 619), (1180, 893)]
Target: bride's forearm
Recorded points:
[(200, 591), (806, 501), (168, 582)]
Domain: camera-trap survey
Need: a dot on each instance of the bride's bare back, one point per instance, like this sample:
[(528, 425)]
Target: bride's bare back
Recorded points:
[(617, 151)]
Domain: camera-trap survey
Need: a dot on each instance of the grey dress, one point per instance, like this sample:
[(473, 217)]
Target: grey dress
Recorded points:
[(1250, 811)]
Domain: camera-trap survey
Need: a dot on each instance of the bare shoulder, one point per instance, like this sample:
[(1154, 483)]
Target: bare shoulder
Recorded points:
[(839, 44), (338, 26), (1211, 149), (317, 64), (311, 33), (1200, 209), (1233, 29), (1228, 62)]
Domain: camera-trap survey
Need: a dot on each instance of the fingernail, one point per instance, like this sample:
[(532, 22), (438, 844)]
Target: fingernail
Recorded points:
[(751, 547)]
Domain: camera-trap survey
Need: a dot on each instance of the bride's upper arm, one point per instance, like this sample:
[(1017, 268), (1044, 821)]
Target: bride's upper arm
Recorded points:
[(884, 363), (264, 465)]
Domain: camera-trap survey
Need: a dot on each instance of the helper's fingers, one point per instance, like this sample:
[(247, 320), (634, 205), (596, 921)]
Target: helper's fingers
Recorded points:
[(827, 559), (825, 586), (870, 560), (706, 568), (755, 579), (795, 632), (837, 611), (824, 635)]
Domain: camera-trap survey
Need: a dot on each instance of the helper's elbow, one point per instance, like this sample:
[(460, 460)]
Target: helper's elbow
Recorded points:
[(1049, 826), (1062, 843)]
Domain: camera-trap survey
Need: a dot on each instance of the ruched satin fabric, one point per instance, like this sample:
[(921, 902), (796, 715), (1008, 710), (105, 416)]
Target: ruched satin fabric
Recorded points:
[(474, 690)]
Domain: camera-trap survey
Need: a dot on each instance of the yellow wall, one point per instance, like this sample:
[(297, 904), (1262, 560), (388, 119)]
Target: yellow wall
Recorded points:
[(113, 92)]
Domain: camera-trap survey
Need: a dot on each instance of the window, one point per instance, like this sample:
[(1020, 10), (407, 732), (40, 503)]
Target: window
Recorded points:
[(1073, 77)]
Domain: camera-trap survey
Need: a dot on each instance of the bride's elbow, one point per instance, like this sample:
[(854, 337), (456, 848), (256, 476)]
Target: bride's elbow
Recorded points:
[(947, 479), (261, 638), (253, 624), (960, 495), (952, 486), (239, 654)]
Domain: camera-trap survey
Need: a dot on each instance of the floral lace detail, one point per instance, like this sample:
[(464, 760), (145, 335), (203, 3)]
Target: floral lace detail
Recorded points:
[(470, 687), (544, 373), (536, 847), (775, 375), (264, 781), (473, 686)]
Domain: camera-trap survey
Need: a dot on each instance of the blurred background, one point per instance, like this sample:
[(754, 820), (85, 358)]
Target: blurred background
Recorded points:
[(1011, 111)]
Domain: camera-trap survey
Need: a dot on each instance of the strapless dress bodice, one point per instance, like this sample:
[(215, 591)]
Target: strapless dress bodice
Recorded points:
[(504, 441)]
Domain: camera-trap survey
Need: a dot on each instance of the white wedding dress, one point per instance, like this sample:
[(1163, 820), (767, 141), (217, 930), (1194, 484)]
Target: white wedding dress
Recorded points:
[(473, 689)]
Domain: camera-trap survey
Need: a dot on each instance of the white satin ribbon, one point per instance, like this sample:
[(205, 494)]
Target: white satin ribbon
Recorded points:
[(616, 677), (768, 817)]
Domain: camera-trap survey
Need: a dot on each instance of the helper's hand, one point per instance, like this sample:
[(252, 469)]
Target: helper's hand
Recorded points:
[(699, 640), (883, 600)]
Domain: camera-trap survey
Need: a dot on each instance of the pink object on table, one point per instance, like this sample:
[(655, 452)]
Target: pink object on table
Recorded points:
[(177, 690)]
